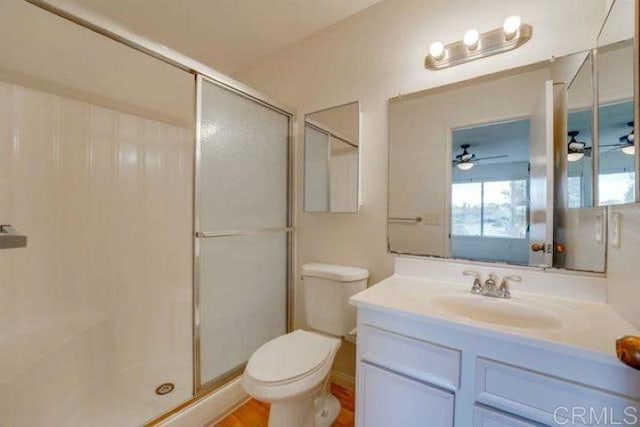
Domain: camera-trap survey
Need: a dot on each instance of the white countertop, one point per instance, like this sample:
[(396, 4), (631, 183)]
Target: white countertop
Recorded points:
[(586, 325)]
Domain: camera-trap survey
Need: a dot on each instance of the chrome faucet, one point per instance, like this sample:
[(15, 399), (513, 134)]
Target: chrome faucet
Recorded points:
[(490, 287)]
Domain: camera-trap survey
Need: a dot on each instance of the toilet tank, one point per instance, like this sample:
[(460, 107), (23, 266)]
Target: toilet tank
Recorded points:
[(327, 289)]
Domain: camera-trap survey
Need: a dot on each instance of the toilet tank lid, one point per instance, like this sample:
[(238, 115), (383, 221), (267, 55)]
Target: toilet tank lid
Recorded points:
[(339, 273)]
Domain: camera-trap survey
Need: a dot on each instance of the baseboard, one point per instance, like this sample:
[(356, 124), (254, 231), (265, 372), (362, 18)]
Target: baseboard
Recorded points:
[(343, 380)]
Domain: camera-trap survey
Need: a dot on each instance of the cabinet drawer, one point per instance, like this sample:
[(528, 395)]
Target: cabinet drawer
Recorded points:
[(412, 357), (484, 417), (388, 399), (544, 398)]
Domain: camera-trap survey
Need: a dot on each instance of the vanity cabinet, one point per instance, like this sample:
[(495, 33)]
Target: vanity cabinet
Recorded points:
[(392, 399), (426, 372)]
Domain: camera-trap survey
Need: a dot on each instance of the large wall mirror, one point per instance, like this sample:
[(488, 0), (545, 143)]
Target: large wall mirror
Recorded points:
[(332, 160), (517, 167)]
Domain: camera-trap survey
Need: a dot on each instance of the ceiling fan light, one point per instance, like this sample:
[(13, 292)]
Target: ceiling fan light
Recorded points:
[(629, 149), (575, 156), (465, 166)]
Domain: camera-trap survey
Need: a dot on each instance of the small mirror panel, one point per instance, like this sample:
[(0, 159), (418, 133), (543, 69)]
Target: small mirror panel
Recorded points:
[(332, 160)]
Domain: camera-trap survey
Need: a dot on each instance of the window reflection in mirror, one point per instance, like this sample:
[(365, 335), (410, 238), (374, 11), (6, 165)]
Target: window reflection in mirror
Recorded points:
[(331, 174), (490, 200), (616, 115), (617, 163)]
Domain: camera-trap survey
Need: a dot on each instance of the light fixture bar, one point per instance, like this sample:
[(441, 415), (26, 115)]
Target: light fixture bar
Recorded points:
[(490, 43)]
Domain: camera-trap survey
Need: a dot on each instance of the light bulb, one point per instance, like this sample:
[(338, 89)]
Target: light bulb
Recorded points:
[(511, 26), (629, 149), (465, 166), (471, 38), (575, 156), (436, 50)]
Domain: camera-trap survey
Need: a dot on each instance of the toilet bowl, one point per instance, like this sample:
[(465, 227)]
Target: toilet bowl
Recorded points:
[(292, 372)]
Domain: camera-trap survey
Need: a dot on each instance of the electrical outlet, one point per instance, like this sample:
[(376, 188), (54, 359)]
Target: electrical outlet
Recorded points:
[(614, 229)]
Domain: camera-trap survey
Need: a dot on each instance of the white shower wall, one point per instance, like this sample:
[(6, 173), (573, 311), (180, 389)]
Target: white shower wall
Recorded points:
[(96, 311)]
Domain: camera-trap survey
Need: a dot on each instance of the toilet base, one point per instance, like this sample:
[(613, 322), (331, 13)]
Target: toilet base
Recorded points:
[(327, 414), (312, 411)]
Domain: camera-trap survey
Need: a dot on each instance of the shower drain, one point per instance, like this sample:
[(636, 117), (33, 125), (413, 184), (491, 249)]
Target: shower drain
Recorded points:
[(165, 388)]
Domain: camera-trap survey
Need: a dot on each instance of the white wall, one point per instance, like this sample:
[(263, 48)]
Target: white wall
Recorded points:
[(623, 268), (378, 54)]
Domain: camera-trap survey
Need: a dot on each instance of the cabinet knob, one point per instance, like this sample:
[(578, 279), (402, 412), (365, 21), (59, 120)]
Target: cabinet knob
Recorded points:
[(628, 351), (537, 247), (559, 248)]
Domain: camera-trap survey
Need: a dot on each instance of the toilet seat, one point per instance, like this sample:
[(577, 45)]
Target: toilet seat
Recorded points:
[(295, 364), (290, 358)]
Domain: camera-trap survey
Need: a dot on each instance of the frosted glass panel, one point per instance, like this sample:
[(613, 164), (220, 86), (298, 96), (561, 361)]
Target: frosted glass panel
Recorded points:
[(244, 161), (316, 170), (243, 294)]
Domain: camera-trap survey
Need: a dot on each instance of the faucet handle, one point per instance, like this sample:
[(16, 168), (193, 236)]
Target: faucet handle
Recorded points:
[(505, 279), (477, 280), (503, 289), (472, 273)]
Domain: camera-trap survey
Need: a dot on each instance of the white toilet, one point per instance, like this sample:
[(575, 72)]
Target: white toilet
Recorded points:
[(292, 372)]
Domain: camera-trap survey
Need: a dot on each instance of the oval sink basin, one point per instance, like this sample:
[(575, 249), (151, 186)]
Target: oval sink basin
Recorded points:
[(496, 311)]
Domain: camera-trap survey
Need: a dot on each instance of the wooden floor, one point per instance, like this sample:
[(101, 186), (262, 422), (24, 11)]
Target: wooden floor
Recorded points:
[(256, 414)]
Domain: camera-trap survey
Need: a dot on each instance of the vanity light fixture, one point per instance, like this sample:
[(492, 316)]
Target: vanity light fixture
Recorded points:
[(513, 34)]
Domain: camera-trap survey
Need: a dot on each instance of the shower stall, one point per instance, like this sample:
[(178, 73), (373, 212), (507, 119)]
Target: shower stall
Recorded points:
[(155, 197)]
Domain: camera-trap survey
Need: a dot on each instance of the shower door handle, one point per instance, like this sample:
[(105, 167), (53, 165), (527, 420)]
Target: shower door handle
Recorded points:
[(10, 238)]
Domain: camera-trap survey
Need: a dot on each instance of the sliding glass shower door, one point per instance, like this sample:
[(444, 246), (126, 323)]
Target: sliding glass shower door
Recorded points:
[(242, 230)]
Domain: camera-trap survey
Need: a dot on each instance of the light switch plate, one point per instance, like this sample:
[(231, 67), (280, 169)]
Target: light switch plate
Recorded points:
[(599, 225), (614, 229), (430, 219)]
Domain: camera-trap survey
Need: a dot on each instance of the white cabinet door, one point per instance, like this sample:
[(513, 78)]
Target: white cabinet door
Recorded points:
[(388, 399), (484, 417)]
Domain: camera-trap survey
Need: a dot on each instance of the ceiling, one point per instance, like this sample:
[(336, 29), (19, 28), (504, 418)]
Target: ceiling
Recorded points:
[(228, 35), (505, 138)]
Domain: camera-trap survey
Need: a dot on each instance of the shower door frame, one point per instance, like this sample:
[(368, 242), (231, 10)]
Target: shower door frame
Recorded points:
[(199, 387), (200, 71)]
